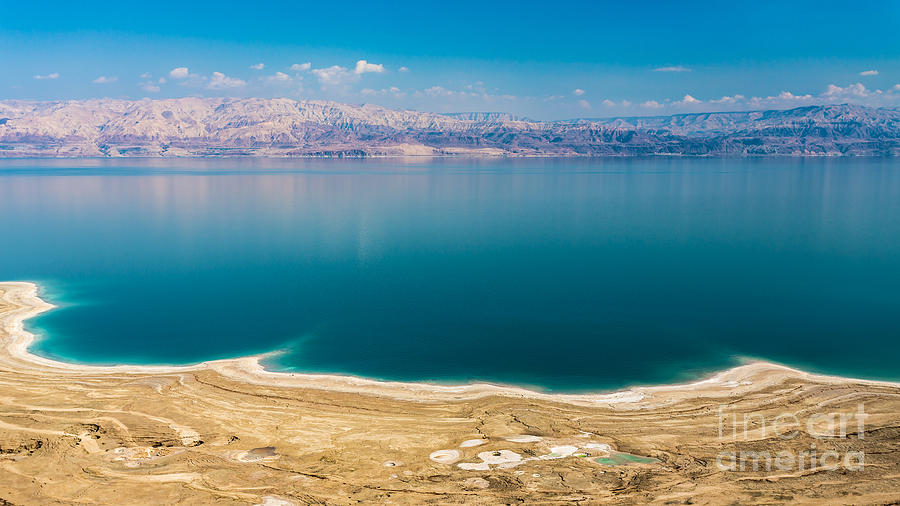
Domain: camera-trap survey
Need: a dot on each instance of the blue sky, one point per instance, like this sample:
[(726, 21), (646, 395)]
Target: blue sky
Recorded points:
[(545, 60)]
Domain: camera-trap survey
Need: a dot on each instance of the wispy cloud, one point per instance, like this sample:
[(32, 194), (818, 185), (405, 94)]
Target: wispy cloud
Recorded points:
[(363, 67), (651, 104), (332, 76), (471, 93), (403, 69), (301, 67), (392, 91), (578, 92), (675, 68), (179, 73), (869, 73), (856, 93), (150, 87), (280, 78), (728, 99), (440, 91), (584, 104), (220, 81), (146, 75), (105, 80), (258, 66), (54, 75)]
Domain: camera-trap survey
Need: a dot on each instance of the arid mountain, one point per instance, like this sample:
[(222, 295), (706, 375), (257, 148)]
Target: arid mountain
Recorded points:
[(284, 127)]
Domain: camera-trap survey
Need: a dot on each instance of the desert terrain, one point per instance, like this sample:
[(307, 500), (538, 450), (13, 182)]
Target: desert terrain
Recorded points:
[(228, 432)]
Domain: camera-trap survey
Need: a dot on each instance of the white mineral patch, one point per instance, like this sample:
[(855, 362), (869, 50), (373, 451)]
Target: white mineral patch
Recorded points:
[(560, 452), (500, 457), (272, 500), (620, 397), (472, 442), (503, 459), (603, 447), (525, 438), (444, 456)]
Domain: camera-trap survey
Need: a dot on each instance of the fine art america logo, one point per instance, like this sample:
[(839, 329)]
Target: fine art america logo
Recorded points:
[(751, 429)]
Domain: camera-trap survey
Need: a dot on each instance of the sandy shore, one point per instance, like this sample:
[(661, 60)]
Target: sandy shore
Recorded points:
[(202, 432)]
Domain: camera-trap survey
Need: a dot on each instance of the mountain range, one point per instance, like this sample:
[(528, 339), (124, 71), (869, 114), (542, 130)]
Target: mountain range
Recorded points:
[(284, 127)]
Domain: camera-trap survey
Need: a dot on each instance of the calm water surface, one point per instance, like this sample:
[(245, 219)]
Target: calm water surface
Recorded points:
[(562, 274)]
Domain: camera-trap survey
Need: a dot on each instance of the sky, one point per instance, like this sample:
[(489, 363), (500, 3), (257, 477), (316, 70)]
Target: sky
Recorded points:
[(542, 60)]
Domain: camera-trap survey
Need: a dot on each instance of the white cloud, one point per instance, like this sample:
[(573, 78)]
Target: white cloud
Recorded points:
[(150, 87), (578, 92), (689, 100), (852, 90), (869, 73), (584, 104), (393, 91), (280, 78), (362, 67), (728, 99), (676, 68), (332, 76), (440, 91), (786, 95), (105, 80), (651, 104), (258, 66), (54, 75), (220, 81), (179, 73), (403, 69), (146, 75), (626, 103), (896, 87), (609, 103), (162, 80), (301, 67)]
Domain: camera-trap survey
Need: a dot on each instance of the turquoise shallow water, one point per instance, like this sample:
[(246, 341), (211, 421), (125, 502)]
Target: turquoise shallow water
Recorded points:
[(567, 275)]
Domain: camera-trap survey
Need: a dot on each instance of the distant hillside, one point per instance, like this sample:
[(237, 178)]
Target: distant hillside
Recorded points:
[(284, 127), (486, 116)]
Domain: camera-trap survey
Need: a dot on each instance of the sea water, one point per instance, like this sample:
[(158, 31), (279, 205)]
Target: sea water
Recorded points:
[(561, 274)]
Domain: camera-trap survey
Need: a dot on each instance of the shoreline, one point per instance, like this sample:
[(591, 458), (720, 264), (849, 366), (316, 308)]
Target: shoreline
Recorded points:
[(250, 370), (230, 432), (461, 156)]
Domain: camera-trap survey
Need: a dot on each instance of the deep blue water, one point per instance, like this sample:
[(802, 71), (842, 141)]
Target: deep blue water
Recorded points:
[(562, 274)]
